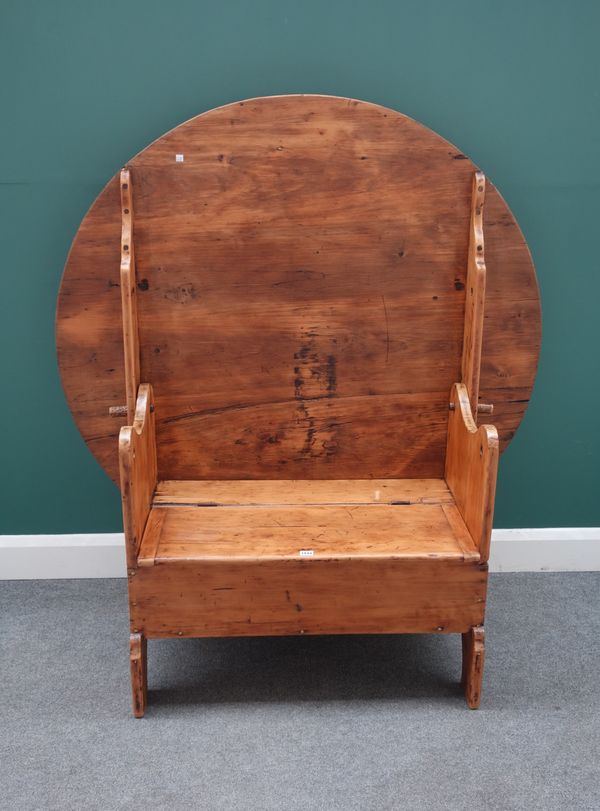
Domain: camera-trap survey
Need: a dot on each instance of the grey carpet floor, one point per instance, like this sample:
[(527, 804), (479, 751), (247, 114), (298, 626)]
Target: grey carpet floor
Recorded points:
[(300, 723)]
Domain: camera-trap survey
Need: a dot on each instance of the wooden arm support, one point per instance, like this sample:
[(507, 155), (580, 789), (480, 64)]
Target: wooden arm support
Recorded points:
[(131, 341), (475, 296), (137, 463), (471, 468)]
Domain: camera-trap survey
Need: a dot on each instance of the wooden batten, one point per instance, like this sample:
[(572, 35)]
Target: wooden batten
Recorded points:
[(475, 296), (131, 345)]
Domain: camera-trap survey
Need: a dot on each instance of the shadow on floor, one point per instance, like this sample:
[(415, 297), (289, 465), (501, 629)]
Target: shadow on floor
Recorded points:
[(296, 669)]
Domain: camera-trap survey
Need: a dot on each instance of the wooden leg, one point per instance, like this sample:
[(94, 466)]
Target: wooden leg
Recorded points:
[(139, 673), (473, 648)]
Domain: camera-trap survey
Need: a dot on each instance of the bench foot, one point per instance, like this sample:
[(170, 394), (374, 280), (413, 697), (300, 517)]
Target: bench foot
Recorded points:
[(138, 659), (473, 654)]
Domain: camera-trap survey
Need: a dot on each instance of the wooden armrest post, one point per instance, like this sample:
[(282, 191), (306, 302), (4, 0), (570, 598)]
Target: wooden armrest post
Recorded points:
[(471, 468), (137, 463)]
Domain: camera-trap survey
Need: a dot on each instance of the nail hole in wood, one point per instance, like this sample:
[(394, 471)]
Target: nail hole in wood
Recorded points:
[(125, 211)]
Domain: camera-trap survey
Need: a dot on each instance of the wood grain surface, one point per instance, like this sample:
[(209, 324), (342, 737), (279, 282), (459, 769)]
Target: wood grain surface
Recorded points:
[(474, 297), (137, 462), (138, 663), (341, 492), (472, 469), (473, 657), (274, 597), (300, 292), (128, 282), (322, 533)]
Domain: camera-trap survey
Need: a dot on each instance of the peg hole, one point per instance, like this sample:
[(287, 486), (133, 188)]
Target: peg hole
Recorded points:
[(125, 211)]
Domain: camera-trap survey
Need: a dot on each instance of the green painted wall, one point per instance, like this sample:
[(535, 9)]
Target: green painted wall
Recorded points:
[(86, 85)]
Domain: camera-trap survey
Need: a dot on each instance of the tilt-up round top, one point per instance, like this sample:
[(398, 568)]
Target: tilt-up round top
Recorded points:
[(301, 266)]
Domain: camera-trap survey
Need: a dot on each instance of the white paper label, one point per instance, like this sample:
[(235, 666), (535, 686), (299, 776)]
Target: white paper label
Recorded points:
[(178, 158), (306, 553)]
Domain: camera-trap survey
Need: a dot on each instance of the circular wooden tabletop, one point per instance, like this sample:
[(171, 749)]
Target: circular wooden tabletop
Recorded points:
[(301, 264)]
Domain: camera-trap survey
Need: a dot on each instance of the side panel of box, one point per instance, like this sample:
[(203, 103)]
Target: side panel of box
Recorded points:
[(305, 596)]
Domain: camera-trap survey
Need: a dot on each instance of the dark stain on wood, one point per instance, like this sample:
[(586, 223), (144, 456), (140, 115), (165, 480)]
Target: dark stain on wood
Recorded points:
[(182, 294), (315, 372), (266, 438), (331, 375), (315, 378)]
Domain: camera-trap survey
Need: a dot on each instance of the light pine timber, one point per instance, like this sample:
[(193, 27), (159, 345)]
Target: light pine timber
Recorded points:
[(474, 296), (137, 458), (330, 533), (280, 492), (131, 346), (308, 596), (471, 469)]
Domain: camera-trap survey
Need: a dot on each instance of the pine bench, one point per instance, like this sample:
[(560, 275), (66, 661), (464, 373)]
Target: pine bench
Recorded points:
[(307, 323)]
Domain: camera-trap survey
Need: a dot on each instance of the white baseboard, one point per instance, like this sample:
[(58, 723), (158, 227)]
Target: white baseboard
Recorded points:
[(54, 557), (47, 557), (561, 549)]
